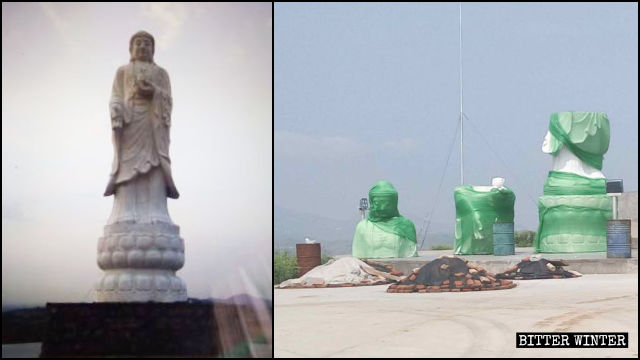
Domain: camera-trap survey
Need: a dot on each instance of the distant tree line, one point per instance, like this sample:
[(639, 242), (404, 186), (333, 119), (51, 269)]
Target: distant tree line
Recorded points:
[(524, 238), (285, 266)]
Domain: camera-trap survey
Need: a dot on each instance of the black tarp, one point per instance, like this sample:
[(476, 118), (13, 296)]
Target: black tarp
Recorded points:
[(537, 269)]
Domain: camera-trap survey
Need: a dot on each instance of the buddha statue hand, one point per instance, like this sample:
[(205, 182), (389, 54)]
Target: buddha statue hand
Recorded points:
[(117, 116), (144, 88)]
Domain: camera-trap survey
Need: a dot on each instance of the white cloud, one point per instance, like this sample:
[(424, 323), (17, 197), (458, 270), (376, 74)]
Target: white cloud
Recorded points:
[(290, 145), (64, 27), (333, 148), (170, 16), (61, 25), (403, 145)]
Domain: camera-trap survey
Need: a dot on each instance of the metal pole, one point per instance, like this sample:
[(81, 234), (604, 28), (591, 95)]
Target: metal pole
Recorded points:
[(615, 207), (461, 112)]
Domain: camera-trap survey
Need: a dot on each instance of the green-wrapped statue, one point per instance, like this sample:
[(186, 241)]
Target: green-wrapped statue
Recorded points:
[(574, 209), (384, 233), (477, 208)]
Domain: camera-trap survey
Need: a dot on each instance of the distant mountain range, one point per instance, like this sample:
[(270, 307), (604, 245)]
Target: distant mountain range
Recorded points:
[(11, 307), (241, 299), (292, 227)]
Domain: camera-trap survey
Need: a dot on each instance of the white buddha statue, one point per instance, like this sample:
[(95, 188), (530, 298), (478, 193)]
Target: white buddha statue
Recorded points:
[(141, 249), (566, 161)]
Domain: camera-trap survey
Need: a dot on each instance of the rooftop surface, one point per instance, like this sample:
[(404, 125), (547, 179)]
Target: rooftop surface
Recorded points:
[(369, 322)]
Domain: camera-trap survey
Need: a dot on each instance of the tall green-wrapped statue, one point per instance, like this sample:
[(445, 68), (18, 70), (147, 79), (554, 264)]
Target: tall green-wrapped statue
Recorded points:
[(384, 233), (574, 209)]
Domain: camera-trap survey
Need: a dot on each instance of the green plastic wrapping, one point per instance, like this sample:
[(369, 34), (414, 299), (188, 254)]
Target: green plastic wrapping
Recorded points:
[(572, 223), (574, 210), (384, 233), (476, 211), (371, 242), (564, 183), (585, 134)]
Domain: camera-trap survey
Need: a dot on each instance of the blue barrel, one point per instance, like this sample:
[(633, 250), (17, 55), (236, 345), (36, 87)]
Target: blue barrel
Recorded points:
[(503, 243), (619, 238)]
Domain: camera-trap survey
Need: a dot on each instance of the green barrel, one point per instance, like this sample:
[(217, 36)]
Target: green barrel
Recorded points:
[(503, 243), (619, 238)]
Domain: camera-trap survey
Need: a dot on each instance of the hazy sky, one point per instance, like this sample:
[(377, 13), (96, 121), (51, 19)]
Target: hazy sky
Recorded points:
[(365, 92), (58, 65)]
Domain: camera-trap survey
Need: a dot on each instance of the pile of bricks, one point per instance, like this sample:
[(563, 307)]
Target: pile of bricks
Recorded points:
[(382, 267), (528, 269), (364, 282), (450, 274)]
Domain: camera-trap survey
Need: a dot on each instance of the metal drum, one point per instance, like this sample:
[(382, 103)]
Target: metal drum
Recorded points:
[(308, 257), (503, 243), (619, 238)]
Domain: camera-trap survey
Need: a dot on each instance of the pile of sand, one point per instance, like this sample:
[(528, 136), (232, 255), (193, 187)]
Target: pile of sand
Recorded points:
[(343, 272)]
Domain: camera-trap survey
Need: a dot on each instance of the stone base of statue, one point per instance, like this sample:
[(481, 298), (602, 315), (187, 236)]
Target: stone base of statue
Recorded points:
[(573, 223), (80, 330), (140, 261)]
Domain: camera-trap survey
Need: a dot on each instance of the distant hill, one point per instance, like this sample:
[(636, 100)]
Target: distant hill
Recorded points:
[(244, 299), (241, 299), (291, 228), (9, 307), (336, 236), (24, 325)]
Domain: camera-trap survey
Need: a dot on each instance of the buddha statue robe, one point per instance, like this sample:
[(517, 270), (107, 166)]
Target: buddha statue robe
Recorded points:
[(141, 172)]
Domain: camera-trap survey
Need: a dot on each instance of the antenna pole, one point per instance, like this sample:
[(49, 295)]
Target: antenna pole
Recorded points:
[(461, 112)]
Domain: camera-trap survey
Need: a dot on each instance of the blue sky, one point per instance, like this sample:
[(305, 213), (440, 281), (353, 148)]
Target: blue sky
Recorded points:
[(58, 65), (365, 92)]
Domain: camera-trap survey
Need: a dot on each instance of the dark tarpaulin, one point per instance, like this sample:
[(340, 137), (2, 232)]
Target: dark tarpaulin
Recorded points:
[(538, 269)]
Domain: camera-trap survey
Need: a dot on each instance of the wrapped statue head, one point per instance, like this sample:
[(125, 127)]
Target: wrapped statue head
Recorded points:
[(383, 199), (384, 233)]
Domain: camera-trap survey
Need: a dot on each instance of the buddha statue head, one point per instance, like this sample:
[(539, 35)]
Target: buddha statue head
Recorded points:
[(142, 46)]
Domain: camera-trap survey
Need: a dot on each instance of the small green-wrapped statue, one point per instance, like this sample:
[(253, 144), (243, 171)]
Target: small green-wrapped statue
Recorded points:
[(384, 233), (477, 209)]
